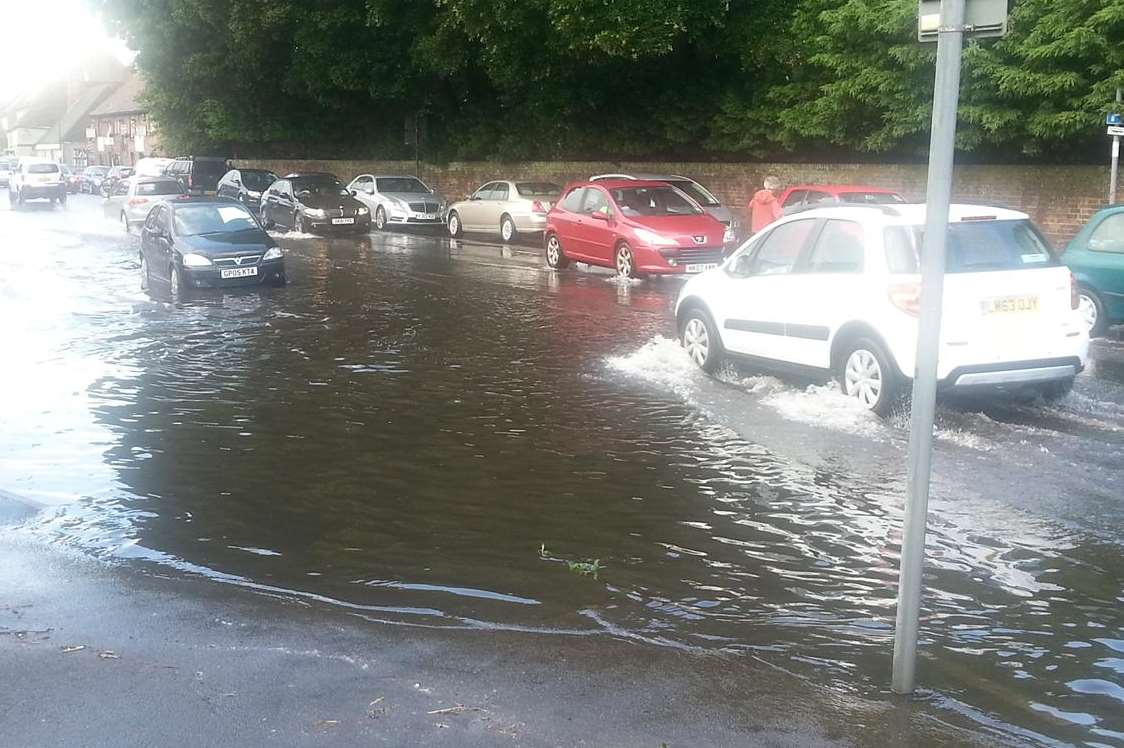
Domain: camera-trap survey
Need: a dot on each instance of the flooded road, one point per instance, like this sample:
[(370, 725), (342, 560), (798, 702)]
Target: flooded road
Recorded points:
[(435, 434)]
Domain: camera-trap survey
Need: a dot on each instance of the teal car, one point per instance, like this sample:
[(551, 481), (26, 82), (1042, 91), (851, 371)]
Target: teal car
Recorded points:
[(1096, 258)]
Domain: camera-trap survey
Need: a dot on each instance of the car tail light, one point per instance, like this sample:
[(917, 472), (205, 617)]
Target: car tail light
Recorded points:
[(538, 207), (138, 200), (907, 297), (1074, 296)]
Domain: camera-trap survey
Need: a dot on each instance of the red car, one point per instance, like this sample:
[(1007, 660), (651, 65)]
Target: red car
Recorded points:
[(805, 196), (637, 227)]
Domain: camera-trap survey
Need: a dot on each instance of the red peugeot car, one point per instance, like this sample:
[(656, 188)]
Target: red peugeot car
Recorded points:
[(637, 227)]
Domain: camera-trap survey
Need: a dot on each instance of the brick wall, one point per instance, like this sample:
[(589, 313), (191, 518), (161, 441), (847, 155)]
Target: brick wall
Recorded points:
[(1059, 198)]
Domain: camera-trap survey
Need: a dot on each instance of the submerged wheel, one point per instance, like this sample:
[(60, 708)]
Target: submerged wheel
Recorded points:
[(867, 374), (1092, 311), (624, 261), (380, 219), (507, 229), (175, 284), (146, 279), (700, 340), (455, 228)]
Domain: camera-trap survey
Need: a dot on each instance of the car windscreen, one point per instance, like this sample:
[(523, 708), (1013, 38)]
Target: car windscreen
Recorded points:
[(258, 181), (538, 189), (400, 184), (973, 247), (653, 201), (42, 168), (163, 187), (696, 191), (325, 185), (871, 198), (200, 220)]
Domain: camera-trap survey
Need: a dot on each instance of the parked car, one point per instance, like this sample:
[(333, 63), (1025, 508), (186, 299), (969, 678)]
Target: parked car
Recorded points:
[(837, 290), (246, 186), (92, 177), (696, 191), (399, 200), (131, 199), (313, 201), (206, 243), (113, 176), (7, 166), (73, 180), (36, 179), (636, 227), (200, 174), (152, 166), (506, 207), (1096, 257), (807, 196)]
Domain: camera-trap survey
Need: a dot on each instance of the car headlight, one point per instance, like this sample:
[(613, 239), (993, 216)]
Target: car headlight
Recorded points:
[(195, 261), (362, 211), (651, 238), (273, 253), (315, 213)]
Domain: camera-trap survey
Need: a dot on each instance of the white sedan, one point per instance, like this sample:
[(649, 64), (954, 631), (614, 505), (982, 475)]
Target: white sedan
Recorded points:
[(837, 290), (132, 198)]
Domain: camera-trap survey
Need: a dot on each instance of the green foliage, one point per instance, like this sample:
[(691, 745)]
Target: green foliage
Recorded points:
[(611, 78)]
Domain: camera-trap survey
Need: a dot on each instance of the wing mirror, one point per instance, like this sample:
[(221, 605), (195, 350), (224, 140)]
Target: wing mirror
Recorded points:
[(354, 193), (741, 266), (599, 215)]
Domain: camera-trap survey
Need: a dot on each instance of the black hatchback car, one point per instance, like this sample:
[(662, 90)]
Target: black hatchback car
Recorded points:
[(207, 243), (246, 186), (314, 201)]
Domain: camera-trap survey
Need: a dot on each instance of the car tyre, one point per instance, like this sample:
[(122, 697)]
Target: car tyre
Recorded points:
[(699, 338), (555, 256), (175, 284), (625, 261), (867, 373), (508, 232), (280, 280), (456, 230), (380, 219), (299, 225), (1092, 311), (125, 222), (146, 277), (266, 223)]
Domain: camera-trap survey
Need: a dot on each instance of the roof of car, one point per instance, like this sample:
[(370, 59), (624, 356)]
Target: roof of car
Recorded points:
[(303, 174), (201, 200), (913, 214), (610, 184), (149, 178), (638, 176), (844, 188)]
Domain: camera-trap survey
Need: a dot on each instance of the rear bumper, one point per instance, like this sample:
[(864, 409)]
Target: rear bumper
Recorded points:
[(1013, 374), (530, 224), (42, 191)]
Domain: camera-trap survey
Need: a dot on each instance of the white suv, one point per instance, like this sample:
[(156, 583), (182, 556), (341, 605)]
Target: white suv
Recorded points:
[(837, 289), (36, 178)]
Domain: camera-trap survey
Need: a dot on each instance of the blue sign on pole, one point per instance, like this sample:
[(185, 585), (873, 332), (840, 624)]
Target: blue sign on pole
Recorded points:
[(1113, 120)]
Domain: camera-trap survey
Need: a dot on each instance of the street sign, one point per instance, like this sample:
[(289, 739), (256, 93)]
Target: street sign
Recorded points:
[(1117, 131), (982, 19), (1113, 119)]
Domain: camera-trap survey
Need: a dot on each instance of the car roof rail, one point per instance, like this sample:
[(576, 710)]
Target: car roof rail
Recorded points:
[(885, 209)]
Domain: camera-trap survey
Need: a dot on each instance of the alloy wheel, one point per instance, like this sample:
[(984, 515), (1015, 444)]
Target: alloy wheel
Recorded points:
[(696, 341), (175, 284), (454, 225), (144, 274), (507, 230), (553, 252), (624, 261), (862, 377), (1087, 306), (380, 219)]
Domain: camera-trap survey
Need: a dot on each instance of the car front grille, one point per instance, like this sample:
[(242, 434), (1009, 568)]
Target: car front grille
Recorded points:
[(692, 255), (424, 207), (241, 261)]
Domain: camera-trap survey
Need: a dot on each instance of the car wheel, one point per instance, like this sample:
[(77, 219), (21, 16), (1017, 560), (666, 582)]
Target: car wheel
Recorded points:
[(1092, 311), (867, 374), (380, 219), (1054, 391), (146, 279), (625, 261), (175, 285), (555, 257), (299, 224), (280, 279), (455, 228), (507, 229), (125, 222), (699, 338), (266, 223)]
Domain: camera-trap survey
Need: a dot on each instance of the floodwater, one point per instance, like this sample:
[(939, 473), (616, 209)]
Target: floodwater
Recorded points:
[(435, 434)]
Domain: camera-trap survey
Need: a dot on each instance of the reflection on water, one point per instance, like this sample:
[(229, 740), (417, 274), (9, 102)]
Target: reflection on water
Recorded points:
[(426, 440)]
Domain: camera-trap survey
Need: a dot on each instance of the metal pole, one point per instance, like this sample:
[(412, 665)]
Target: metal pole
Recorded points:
[(946, 97), (1115, 160)]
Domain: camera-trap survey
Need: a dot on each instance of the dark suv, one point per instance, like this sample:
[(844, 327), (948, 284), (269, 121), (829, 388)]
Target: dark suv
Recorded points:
[(246, 186), (199, 175)]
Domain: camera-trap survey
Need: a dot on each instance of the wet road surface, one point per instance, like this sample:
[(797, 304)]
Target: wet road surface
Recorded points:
[(434, 434)]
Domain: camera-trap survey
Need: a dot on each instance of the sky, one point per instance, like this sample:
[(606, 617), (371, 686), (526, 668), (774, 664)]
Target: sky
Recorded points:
[(72, 30)]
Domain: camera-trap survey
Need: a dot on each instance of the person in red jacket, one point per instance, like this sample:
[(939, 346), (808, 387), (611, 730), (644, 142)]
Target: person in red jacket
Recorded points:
[(764, 208)]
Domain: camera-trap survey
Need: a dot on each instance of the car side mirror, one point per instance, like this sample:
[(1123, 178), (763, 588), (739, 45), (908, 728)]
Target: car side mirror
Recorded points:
[(741, 266), (599, 216), (354, 193)]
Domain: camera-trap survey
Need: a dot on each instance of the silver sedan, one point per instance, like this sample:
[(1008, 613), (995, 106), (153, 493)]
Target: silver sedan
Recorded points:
[(405, 201), (132, 198), (505, 207)]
